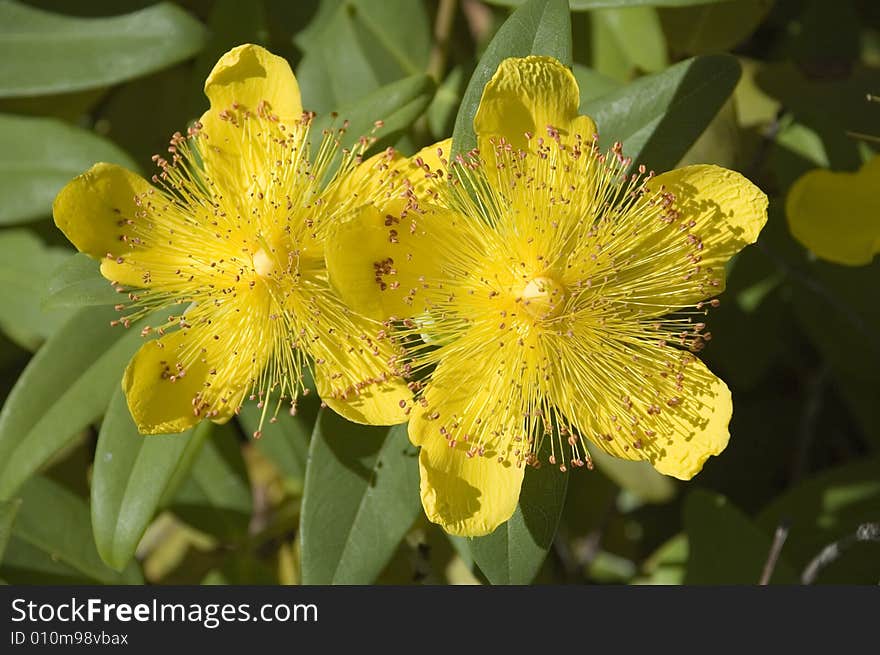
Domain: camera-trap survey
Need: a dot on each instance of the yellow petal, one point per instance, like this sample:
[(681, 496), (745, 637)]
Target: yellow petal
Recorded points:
[(688, 426), (354, 375), (528, 95), (217, 374), (380, 259), (727, 212), (247, 78), (837, 215), (89, 208), (378, 403), (702, 425), (468, 496)]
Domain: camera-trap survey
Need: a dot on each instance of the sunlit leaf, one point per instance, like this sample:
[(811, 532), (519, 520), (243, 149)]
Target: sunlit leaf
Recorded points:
[(130, 476), (77, 282), (658, 117), (355, 47), (65, 387), (43, 53), (8, 511), (25, 266), (38, 156), (361, 496), (513, 554)]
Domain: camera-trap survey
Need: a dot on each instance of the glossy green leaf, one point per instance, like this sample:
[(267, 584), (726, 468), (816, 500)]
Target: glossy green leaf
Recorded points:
[(355, 47), (51, 537), (8, 511), (216, 495), (361, 496), (25, 266), (43, 53), (825, 508), (77, 282), (38, 156), (397, 105), (658, 117), (514, 553), (539, 27), (131, 473), (725, 546), (640, 478), (65, 387)]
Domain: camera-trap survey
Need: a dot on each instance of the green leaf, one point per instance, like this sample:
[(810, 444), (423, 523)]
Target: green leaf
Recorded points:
[(78, 282), (51, 535), (25, 265), (637, 34), (230, 23), (397, 105), (658, 117), (131, 473), (593, 84), (725, 546), (65, 387), (712, 28), (640, 478), (513, 554), (38, 156), (825, 508), (8, 511), (361, 496), (43, 53), (355, 47), (216, 496), (539, 27)]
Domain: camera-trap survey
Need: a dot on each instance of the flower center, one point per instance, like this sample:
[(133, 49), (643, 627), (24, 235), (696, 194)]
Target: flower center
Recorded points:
[(543, 298), (263, 263)]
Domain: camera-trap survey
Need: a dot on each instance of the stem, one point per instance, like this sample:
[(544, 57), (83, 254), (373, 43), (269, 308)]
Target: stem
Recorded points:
[(778, 542), (831, 552)]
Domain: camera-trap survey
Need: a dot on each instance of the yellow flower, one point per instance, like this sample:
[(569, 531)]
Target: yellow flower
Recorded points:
[(232, 232), (837, 215), (547, 299)]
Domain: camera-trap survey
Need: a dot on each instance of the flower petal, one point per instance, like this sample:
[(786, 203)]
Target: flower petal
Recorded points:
[(467, 495), (89, 208), (248, 78), (380, 259), (354, 373), (197, 372), (837, 215), (677, 422), (727, 213), (528, 95)]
